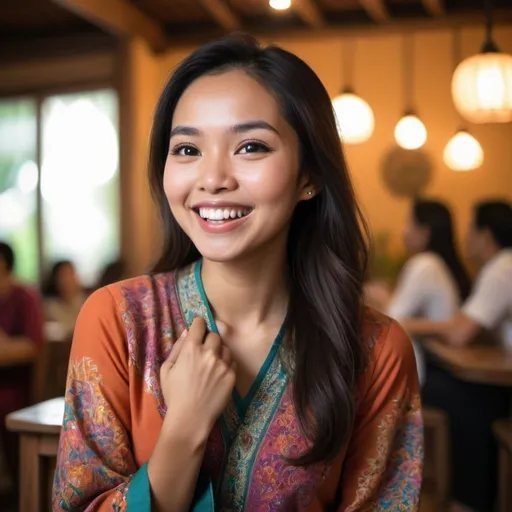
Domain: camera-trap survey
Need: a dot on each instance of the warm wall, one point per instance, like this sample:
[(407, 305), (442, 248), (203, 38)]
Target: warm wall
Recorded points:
[(140, 87), (378, 79)]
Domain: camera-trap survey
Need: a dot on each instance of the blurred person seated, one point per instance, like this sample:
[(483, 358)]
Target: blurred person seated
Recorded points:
[(21, 327), (112, 273), (63, 296), (489, 306), (433, 281), (473, 408)]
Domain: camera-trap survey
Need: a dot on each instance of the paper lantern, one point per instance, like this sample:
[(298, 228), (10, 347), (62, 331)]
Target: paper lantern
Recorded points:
[(463, 152), (354, 118), (482, 88), (410, 132)]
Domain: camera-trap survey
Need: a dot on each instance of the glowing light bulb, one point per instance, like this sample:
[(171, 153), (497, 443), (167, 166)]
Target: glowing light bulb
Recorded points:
[(410, 132), (354, 118), (463, 152), (280, 5)]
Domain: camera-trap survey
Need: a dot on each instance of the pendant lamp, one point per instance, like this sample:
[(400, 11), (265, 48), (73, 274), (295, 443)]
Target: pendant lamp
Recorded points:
[(463, 152), (410, 132), (354, 116), (482, 84)]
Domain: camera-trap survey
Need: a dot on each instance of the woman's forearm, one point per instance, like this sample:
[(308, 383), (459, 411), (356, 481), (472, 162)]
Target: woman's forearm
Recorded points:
[(423, 327), (174, 466)]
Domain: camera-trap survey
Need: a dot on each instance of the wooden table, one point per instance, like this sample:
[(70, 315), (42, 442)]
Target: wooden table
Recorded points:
[(484, 364), (39, 428)]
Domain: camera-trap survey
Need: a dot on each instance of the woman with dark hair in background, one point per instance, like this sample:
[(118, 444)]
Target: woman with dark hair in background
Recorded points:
[(433, 282), (63, 296), (245, 372)]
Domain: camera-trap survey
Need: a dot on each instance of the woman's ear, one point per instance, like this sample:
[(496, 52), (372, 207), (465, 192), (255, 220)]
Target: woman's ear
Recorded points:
[(307, 189), (308, 193)]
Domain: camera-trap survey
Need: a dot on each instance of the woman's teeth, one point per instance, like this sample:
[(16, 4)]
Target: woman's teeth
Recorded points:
[(223, 213)]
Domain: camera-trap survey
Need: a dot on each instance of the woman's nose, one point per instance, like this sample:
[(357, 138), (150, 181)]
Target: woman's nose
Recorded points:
[(216, 174)]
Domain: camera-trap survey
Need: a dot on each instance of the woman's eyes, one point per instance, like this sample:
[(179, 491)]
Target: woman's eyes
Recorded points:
[(253, 147), (185, 150), (246, 149)]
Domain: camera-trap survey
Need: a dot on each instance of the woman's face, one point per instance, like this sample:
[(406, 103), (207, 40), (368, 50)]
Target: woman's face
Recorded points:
[(415, 236), (232, 172)]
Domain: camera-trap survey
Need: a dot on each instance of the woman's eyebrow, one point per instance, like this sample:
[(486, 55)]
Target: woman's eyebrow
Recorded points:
[(237, 128), (253, 125)]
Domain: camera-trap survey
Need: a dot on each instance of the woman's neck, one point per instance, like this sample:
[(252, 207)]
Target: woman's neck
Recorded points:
[(248, 293)]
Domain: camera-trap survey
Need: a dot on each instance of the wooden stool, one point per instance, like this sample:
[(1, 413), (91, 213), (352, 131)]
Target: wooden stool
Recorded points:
[(503, 432), (437, 457)]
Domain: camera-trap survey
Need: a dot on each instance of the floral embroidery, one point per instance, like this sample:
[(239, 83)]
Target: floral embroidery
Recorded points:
[(94, 451), (251, 432), (152, 322), (397, 466), (275, 484)]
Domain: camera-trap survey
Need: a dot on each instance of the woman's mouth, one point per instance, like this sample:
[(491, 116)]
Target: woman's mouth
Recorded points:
[(221, 215), (223, 218)]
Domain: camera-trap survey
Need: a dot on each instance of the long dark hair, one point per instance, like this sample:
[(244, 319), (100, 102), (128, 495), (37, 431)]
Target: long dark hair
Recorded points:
[(50, 286), (437, 217), (327, 253)]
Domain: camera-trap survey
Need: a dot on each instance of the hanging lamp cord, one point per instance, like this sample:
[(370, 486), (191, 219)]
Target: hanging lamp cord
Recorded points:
[(408, 72), (489, 45), (456, 55), (348, 50)]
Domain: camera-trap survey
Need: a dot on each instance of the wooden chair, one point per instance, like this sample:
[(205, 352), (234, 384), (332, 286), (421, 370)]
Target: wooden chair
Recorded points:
[(503, 432), (436, 475)]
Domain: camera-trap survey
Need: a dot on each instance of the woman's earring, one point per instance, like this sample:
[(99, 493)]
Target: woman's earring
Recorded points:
[(309, 193)]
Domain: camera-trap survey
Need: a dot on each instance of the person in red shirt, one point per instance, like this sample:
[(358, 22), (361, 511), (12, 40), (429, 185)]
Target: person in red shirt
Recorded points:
[(21, 326)]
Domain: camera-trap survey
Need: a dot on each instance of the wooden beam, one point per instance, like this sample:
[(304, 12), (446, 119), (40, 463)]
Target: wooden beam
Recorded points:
[(376, 9), (434, 7), (119, 17), (309, 12), (222, 13), (475, 18)]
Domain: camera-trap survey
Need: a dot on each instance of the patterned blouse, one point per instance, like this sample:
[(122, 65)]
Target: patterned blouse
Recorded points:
[(115, 408)]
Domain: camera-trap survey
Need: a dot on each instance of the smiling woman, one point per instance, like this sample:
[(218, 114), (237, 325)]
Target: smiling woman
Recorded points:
[(244, 373)]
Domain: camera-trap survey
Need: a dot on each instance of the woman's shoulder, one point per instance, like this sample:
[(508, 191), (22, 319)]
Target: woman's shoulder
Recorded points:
[(133, 296), (129, 314), (385, 340)]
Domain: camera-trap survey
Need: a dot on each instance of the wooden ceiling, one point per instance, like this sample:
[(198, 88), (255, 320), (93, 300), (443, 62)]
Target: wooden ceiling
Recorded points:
[(163, 23)]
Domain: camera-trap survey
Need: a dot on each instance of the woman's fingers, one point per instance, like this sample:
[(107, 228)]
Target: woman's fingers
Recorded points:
[(176, 348), (197, 331), (225, 354), (213, 343), (195, 336)]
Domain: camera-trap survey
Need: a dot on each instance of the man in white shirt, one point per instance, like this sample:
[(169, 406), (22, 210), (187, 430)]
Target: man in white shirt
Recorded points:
[(489, 243)]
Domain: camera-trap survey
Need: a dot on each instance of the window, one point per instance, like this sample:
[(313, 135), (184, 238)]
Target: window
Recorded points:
[(18, 183), (79, 183)]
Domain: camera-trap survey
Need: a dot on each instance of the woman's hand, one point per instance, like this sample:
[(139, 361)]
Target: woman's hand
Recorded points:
[(197, 379)]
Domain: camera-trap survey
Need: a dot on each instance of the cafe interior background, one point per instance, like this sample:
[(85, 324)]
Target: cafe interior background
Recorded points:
[(79, 80)]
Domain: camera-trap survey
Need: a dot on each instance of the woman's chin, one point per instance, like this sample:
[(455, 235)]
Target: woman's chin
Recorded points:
[(221, 254)]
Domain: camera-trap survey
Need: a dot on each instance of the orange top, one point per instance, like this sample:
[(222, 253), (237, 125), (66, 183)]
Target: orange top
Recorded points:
[(114, 411)]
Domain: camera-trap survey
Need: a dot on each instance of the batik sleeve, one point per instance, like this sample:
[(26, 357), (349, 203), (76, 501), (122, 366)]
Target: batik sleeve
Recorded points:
[(383, 465), (96, 469)]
